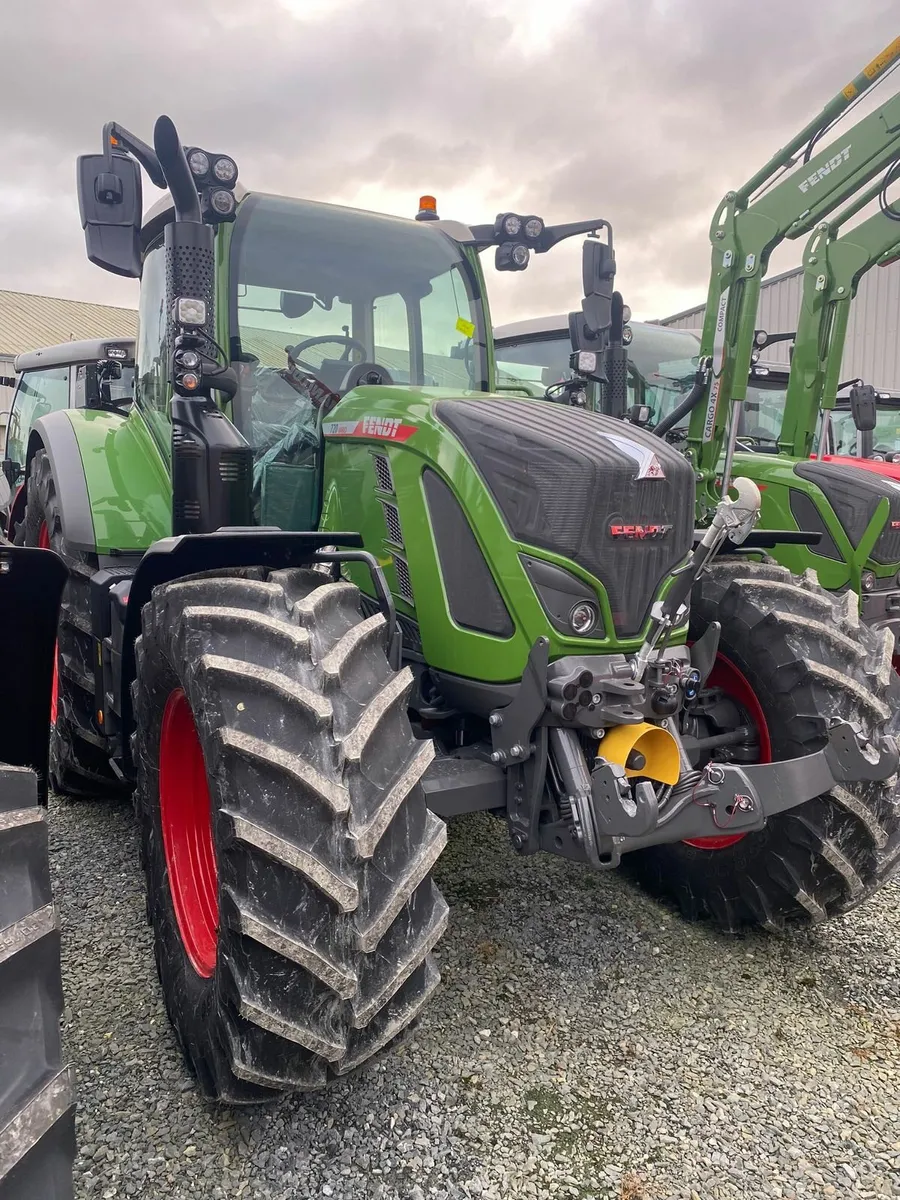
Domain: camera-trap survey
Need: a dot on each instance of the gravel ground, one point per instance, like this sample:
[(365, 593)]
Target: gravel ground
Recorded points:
[(586, 1043)]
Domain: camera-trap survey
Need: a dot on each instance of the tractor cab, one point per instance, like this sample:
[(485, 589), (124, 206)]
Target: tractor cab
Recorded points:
[(845, 440)]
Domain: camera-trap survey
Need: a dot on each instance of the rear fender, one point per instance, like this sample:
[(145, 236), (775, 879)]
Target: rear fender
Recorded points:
[(114, 489), (31, 585)]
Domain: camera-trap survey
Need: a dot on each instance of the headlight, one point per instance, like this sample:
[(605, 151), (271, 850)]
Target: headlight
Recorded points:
[(520, 255), (225, 169), (189, 311), (868, 581), (198, 161), (512, 225), (534, 227), (222, 201), (583, 618), (189, 359)]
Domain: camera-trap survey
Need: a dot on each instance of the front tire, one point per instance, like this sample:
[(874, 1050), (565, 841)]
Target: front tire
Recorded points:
[(285, 838), (806, 656)]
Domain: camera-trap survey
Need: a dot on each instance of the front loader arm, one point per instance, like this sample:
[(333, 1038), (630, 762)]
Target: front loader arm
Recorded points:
[(832, 269), (744, 232)]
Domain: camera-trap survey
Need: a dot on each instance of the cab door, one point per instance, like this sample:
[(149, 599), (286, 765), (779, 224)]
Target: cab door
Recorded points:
[(37, 393)]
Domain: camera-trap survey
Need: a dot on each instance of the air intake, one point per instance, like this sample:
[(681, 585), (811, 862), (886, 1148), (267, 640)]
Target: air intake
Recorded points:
[(383, 477)]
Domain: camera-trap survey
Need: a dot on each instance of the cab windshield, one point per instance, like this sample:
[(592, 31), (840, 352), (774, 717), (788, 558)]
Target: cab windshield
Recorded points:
[(317, 289), (537, 361), (885, 435)]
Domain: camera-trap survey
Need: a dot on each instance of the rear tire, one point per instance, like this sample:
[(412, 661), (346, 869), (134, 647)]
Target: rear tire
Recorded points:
[(79, 764), (319, 837), (806, 655), (37, 1105)]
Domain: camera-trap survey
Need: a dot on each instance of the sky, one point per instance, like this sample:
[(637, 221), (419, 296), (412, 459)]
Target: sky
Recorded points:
[(644, 113)]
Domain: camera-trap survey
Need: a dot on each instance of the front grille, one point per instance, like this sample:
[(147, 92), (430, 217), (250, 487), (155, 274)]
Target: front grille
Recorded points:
[(392, 523), (383, 476), (404, 585), (564, 479), (472, 593)]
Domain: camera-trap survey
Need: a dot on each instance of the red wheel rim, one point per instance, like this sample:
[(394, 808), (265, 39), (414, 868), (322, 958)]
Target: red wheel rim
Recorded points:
[(734, 683), (186, 817), (44, 544)]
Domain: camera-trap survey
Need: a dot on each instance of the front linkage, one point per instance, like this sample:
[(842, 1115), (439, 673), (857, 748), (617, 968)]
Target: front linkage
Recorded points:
[(603, 732), (608, 808)]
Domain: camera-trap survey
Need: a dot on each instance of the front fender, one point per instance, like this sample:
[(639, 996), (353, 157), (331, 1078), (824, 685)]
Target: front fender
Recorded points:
[(114, 489)]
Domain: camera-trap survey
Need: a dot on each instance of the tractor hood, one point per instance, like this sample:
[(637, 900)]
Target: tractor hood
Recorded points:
[(610, 499)]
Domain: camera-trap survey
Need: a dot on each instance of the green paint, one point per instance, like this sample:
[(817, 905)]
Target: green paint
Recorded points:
[(351, 502), (128, 482), (745, 230)]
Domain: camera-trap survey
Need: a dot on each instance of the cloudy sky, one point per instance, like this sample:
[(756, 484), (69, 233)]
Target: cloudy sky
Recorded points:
[(640, 111)]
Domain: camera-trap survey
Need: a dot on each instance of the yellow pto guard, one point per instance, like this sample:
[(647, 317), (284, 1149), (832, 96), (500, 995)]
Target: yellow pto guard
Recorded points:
[(644, 750)]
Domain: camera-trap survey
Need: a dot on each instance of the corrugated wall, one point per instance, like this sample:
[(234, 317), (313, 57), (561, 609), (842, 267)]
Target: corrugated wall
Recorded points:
[(873, 331)]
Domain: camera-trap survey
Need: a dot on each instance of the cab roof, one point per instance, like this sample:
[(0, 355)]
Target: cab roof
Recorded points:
[(68, 354)]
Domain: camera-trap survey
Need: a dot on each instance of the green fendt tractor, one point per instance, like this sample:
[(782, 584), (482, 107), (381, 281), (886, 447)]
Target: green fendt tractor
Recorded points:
[(326, 589)]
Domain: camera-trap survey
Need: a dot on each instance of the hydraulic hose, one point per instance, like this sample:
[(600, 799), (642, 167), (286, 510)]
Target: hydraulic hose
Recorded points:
[(690, 402)]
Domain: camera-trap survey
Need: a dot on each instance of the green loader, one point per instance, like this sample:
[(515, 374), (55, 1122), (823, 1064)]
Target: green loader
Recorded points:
[(328, 588), (831, 518)]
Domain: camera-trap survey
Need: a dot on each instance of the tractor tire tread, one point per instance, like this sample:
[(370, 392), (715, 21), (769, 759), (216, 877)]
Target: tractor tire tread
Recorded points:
[(37, 1095), (328, 914), (804, 660)]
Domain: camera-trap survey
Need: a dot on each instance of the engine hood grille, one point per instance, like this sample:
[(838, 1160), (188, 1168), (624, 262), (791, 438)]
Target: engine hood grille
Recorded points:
[(606, 495), (854, 495)]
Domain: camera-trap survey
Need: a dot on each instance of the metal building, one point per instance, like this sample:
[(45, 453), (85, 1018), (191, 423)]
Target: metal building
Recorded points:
[(872, 351), (28, 322)]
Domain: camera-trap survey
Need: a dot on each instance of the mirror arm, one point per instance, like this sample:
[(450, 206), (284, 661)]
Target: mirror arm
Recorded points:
[(486, 235), (115, 135), (553, 234)]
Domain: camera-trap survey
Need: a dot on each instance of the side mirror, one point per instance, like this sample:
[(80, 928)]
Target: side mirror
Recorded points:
[(110, 203), (295, 305), (864, 407), (598, 270)]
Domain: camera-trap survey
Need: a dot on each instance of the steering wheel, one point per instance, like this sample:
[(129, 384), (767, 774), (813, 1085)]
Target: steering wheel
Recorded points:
[(349, 343)]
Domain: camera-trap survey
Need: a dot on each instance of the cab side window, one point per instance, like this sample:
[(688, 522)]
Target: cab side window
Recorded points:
[(38, 393), (151, 381)]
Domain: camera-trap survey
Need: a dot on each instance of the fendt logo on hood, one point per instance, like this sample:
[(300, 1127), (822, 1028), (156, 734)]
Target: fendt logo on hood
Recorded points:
[(640, 533), (648, 465)]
